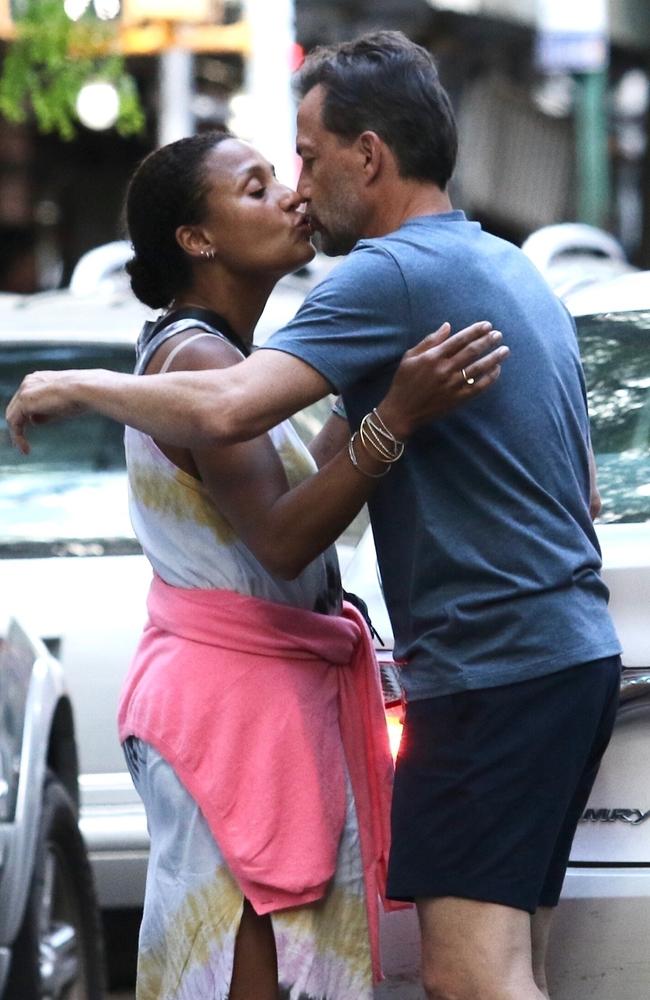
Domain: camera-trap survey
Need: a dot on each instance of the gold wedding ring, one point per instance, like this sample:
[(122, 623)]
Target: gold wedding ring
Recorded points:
[(469, 381)]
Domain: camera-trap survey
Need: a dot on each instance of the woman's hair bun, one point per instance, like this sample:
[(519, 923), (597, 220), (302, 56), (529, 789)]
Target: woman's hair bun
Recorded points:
[(147, 284)]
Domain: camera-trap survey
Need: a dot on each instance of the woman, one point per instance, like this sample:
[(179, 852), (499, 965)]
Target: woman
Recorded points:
[(265, 792)]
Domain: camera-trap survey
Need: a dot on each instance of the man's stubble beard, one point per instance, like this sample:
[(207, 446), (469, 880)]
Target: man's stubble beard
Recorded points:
[(342, 229), (332, 245)]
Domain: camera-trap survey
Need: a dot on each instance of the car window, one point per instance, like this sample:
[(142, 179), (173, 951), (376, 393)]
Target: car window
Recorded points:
[(68, 496), (615, 349), (93, 444)]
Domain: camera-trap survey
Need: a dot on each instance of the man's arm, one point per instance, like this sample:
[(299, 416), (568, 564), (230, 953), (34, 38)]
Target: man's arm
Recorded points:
[(190, 409), (180, 408)]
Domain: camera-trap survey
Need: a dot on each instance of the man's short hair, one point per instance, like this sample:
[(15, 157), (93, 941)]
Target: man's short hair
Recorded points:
[(384, 83)]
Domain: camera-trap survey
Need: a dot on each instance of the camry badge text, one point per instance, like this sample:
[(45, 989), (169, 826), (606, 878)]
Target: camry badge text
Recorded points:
[(633, 816)]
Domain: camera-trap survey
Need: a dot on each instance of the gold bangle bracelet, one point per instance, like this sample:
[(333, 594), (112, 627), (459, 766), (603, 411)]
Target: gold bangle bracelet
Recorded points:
[(355, 462), (388, 447), (370, 441)]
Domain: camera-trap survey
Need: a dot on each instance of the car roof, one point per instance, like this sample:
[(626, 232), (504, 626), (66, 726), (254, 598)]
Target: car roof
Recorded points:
[(60, 317), (113, 316), (623, 293)]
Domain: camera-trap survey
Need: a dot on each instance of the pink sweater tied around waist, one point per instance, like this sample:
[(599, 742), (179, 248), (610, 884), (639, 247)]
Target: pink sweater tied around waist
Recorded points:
[(259, 708)]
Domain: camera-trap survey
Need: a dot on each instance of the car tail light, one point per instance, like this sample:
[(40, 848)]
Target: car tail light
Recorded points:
[(395, 723), (393, 704)]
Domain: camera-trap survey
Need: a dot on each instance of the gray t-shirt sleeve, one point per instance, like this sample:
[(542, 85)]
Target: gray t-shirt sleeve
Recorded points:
[(354, 322)]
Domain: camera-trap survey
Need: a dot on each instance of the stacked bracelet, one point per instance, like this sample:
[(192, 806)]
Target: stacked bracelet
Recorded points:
[(374, 432), (379, 442)]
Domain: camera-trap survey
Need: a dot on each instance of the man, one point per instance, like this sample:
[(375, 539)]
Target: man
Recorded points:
[(489, 559)]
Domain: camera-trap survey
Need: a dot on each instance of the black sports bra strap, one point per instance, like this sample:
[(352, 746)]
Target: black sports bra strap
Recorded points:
[(206, 316)]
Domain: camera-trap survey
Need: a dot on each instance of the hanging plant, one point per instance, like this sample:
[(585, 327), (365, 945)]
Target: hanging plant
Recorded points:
[(50, 60)]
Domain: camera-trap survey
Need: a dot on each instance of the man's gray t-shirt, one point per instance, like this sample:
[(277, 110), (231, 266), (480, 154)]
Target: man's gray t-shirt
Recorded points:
[(488, 557)]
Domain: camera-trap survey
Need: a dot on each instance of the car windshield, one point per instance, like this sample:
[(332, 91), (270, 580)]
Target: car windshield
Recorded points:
[(615, 349), (71, 487)]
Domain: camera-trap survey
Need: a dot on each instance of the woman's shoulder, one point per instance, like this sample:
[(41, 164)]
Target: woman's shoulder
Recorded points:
[(191, 348)]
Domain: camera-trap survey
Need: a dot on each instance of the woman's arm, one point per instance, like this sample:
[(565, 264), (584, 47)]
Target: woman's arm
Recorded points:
[(333, 435)]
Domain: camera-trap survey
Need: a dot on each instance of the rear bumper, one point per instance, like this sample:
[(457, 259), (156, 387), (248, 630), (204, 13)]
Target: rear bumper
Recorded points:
[(599, 941), (605, 883)]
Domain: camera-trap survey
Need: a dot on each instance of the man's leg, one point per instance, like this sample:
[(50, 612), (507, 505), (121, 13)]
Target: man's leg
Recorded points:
[(489, 787), (476, 951), (540, 928)]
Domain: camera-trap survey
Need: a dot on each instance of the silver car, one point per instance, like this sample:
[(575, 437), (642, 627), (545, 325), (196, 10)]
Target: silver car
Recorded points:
[(49, 927)]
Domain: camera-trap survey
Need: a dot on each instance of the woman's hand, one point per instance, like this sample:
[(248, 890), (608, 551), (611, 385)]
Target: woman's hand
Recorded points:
[(440, 373), (41, 397)]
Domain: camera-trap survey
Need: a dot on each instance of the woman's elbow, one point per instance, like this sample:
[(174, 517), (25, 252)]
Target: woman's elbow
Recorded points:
[(282, 563), (214, 425), (219, 415), (229, 416)]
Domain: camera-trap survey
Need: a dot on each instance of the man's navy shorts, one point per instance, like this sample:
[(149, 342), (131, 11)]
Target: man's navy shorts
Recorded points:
[(490, 786)]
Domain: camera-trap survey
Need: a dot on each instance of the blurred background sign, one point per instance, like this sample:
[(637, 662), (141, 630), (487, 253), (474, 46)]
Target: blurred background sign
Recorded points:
[(6, 24), (573, 35), (267, 111), (574, 38), (187, 11)]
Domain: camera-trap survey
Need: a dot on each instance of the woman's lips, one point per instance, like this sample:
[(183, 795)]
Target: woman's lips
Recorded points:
[(304, 223)]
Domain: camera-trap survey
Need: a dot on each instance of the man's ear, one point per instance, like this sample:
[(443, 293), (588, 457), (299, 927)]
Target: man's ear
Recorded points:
[(192, 240), (372, 149)]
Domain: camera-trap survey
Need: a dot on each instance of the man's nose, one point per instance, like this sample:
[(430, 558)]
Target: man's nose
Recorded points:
[(290, 200), (303, 187)]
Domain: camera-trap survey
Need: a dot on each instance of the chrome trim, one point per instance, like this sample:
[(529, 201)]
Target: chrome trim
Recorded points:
[(635, 685), (5, 961)]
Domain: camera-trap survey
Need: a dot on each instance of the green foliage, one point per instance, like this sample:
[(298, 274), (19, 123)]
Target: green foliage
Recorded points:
[(50, 60)]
